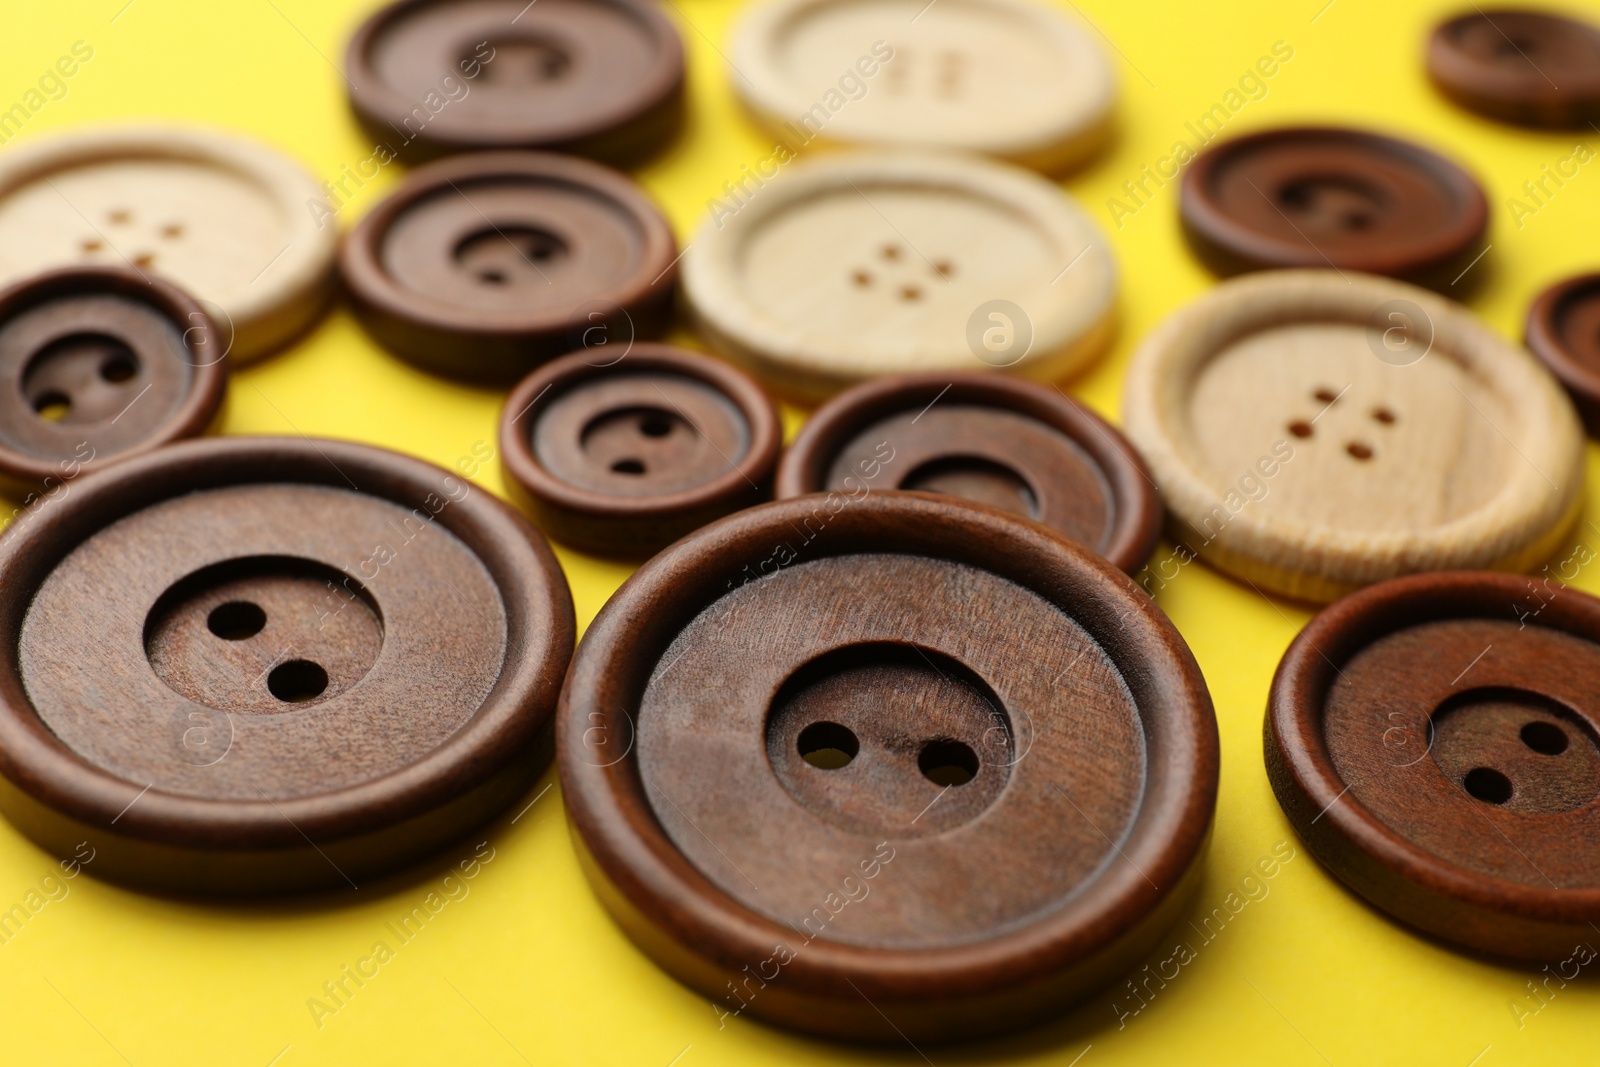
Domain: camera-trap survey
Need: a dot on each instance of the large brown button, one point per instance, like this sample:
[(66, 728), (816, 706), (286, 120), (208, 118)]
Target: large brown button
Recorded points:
[(623, 458), (1537, 68), (1346, 199), (1563, 330), (259, 665), (1436, 742), (99, 364), (939, 769), (230, 220), (601, 78), (1315, 432), (481, 266), (1012, 444)]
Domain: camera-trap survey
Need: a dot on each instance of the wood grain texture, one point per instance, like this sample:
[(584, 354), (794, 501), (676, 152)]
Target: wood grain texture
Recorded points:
[(1436, 742), (1531, 67), (100, 364), (262, 665), (485, 265), (1563, 330), (847, 717), (1017, 445), (226, 218), (624, 456), (1328, 197), (1018, 80), (858, 265), (1313, 433), (602, 79)]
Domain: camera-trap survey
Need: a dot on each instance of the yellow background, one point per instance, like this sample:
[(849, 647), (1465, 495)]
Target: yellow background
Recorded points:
[(527, 967)]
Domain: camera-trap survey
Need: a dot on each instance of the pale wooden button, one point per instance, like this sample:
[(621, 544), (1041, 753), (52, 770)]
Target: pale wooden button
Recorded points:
[(858, 265), (1006, 77), (1313, 432), (226, 218)]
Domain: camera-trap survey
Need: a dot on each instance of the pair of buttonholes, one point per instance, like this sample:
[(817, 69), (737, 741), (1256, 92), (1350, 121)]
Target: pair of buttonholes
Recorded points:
[(294, 681), (910, 292), (117, 368), (951, 67), (1360, 450), (121, 216), (651, 424), (1492, 786), (944, 761)]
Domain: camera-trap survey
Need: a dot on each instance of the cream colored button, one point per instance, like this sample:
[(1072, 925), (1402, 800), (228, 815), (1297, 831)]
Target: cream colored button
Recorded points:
[(226, 218), (1010, 78), (1313, 432), (851, 266)]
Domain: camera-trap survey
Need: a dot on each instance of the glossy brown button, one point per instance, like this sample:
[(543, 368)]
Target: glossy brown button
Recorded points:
[(623, 458), (100, 364), (260, 665), (601, 78), (1347, 199), (481, 266), (881, 745), (1537, 68), (1436, 742), (1563, 330), (1012, 444)]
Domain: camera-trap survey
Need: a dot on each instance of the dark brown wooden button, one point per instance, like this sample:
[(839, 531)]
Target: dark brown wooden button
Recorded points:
[(1563, 330), (601, 79), (1536, 68), (1436, 742), (888, 765), (99, 364), (259, 665), (623, 458), (1349, 199), (482, 266), (1009, 443)]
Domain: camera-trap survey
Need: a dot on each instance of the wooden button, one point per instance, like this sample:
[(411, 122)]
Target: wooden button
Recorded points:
[(601, 79), (1564, 332), (858, 265), (623, 458), (1015, 445), (99, 364), (881, 745), (225, 218), (1313, 432), (260, 665), (1537, 68), (1013, 79), (1434, 741), (484, 265), (1346, 199)]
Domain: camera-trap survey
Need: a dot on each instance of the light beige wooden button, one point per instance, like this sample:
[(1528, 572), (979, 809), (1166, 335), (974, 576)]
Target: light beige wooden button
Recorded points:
[(1313, 432), (1010, 78), (226, 218), (856, 265)]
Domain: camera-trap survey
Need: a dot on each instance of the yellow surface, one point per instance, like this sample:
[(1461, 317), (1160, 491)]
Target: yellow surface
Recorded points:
[(525, 966)]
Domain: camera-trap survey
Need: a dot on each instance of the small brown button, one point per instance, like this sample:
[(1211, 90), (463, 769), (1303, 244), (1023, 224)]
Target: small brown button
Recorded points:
[(261, 665), (482, 266), (601, 79), (1346, 199), (1536, 68), (99, 364), (1012, 444), (623, 458), (1564, 332), (1436, 742), (1314, 432), (938, 768)]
